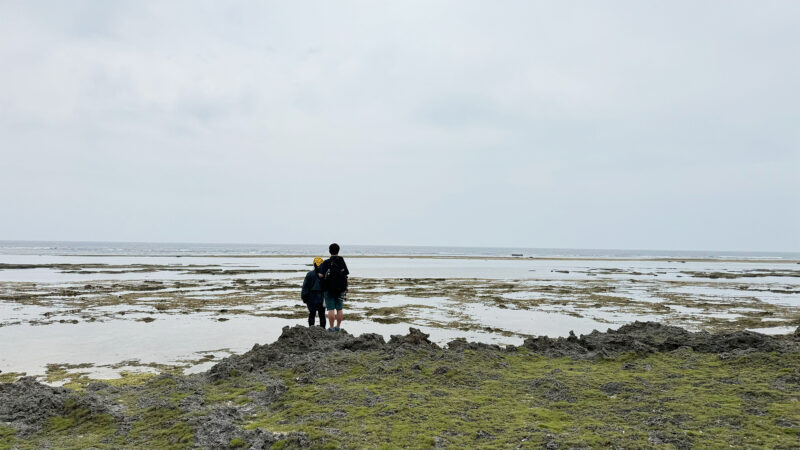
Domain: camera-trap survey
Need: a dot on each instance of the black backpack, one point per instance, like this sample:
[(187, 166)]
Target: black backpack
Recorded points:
[(336, 276)]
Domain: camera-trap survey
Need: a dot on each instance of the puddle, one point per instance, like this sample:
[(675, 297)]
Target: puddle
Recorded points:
[(394, 300), (167, 340), (774, 330), (531, 322), (724, 291)]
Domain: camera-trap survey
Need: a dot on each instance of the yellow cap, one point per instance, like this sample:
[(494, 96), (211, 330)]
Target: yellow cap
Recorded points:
[(317, 261)]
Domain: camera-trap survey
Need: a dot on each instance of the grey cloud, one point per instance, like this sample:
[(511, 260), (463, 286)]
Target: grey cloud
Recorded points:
[(613, 124)]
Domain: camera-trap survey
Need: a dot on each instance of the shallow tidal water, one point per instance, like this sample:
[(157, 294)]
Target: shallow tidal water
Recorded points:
[(110, 314)]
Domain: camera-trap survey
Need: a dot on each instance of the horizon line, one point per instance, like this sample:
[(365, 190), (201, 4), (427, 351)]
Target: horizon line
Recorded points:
[(406, 245)]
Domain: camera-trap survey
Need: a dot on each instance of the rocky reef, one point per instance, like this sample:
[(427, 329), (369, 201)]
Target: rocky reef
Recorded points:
[(642, 385)]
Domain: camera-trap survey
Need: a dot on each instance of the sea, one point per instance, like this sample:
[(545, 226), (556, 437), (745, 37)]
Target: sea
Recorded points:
[(76, 248)]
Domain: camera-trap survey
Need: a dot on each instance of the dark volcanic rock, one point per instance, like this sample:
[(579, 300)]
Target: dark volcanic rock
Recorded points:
[(27, 404), (461, 344), (218, 428), (301, 346), (414, 339), (649, 337), (296, 345), (301, 339), (554, 347), (368, 341)]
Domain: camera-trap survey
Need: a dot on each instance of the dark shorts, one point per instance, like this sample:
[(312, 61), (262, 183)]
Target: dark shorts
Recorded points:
[(334, 301)]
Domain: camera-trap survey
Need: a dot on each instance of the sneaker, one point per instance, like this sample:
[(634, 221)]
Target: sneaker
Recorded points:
[(335, 328), (331, 329)]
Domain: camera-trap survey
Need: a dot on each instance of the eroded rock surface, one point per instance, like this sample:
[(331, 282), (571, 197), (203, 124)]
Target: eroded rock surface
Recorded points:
[(650, 337), (27, 404), (216, 407)]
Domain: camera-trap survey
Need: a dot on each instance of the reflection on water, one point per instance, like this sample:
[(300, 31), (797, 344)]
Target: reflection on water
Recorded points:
[(167, 340), (486, 300)]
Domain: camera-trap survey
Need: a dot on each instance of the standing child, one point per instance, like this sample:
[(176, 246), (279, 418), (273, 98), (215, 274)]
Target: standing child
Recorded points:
[(333, 273), (312, 295)]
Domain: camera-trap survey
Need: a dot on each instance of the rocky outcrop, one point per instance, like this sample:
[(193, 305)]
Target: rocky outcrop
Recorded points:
[(314, 353), (28, 404), (650, 337), (415, 339)]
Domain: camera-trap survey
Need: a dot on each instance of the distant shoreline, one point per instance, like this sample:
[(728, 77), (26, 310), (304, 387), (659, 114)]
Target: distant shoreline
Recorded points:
[(766, 260), (233, 251)]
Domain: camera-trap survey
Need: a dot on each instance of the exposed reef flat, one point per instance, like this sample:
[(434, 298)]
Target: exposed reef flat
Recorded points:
[(695, 301), (86, 312), (643, 385)]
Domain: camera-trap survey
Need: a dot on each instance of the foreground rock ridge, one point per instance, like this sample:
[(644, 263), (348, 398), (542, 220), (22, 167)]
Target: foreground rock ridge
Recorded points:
[(262, 398)]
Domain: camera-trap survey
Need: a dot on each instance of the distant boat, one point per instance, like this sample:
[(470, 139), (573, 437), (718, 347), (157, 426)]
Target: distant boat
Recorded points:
[(516, 254)]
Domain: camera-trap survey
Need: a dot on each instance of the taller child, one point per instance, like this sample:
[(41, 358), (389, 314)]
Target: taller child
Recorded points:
[(333, 273)]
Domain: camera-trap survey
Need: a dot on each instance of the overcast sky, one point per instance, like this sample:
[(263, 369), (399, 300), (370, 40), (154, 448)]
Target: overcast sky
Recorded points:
[(635, 124)]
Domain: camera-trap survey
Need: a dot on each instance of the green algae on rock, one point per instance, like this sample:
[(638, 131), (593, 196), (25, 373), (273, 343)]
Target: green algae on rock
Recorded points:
[(642, 385)]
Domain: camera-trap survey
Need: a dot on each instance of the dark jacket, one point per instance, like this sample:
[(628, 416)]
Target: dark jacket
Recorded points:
[(312, 288), (323, 269)]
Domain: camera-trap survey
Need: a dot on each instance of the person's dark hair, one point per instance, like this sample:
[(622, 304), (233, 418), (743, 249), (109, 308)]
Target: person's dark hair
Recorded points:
[(334, 248)]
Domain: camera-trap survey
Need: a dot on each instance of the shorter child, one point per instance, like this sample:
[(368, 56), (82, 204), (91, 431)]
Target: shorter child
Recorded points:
[(312, 294)]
